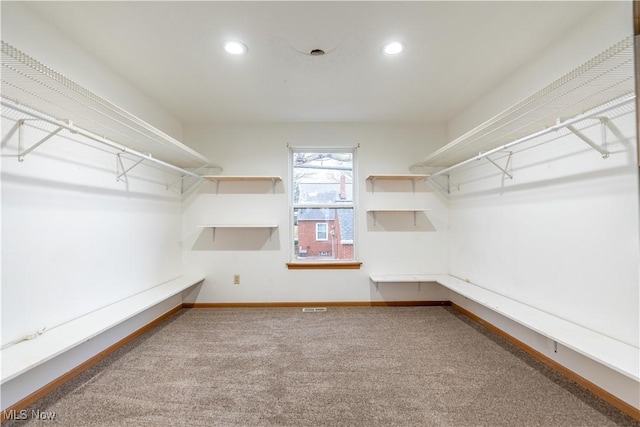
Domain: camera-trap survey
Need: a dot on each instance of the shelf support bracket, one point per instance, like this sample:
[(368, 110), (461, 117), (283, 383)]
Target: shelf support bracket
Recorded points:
[(607, 123), (503, 170), (22, 153), (439, 186), (184, 189), (124, 172), (213, 233), (415, 222), (13, 130), (120, 167), (183, 177), (588, 141), (273, 185), (374, 218)]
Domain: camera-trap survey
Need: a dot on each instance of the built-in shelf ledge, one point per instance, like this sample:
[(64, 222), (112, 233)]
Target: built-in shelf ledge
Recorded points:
[(405, 278), (28, 354), (414, 211), (394, 177), (324, 265), (252, 178), (241, 178), (213, 227), (617, 355)]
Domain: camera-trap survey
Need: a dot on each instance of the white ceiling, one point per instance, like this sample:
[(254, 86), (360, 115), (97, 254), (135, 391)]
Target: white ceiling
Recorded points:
[(455, 53)]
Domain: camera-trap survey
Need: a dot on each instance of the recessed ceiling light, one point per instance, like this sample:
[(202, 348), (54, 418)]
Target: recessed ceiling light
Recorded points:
[(235, 48), (393, 48)]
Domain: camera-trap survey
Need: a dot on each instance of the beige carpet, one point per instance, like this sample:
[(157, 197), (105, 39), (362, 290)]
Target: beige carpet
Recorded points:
[(391, 366)]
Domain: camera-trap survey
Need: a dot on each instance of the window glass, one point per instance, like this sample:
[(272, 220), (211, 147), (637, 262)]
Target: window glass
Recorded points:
[(323, 205)]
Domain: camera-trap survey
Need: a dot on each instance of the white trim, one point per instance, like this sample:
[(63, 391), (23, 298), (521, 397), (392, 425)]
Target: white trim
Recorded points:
[(326, 232)]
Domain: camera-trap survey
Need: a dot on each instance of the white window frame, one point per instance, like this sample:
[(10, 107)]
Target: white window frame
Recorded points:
[(353, 205), (326, 232)]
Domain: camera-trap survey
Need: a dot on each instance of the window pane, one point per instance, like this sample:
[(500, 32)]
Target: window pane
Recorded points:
[(335, 225), (321, 231), (322, 178)]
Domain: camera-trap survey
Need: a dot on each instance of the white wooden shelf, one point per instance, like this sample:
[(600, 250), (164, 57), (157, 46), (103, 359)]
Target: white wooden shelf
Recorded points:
[(249, 178), (28, 354), (607, 77), (395, 177), (617, 355), (238, 226), (400, 210), (397, 210), (213, 227), (241, 178), (404, 278), (31, 90)]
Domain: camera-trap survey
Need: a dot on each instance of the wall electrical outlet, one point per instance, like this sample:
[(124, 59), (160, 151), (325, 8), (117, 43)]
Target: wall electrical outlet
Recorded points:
[(236, 279)]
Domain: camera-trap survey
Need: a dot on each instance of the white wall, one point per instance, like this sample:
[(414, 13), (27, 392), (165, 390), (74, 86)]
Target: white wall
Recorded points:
[(562, 236), (73, 239), (262, 150)]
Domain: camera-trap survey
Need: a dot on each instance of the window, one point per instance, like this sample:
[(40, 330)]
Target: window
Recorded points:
[(323, 206), (321, 231)]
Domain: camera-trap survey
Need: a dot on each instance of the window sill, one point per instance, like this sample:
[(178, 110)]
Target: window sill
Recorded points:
[(324, 265)]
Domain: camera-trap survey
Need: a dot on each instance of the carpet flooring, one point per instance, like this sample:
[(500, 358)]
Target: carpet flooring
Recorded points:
[(359, 366)]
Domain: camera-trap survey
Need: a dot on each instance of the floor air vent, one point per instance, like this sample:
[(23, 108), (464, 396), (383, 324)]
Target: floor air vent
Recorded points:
[(314, 309)]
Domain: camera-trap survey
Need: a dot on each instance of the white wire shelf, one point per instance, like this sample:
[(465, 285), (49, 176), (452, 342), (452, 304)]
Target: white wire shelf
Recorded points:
[(31, 84), (604, 78)]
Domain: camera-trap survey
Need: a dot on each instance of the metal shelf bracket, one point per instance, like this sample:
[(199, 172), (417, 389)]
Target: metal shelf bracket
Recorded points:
[(506, 166), (121, 171), (184, 189), (446, 189), (22, 153), (607, 123), (588, 141)]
